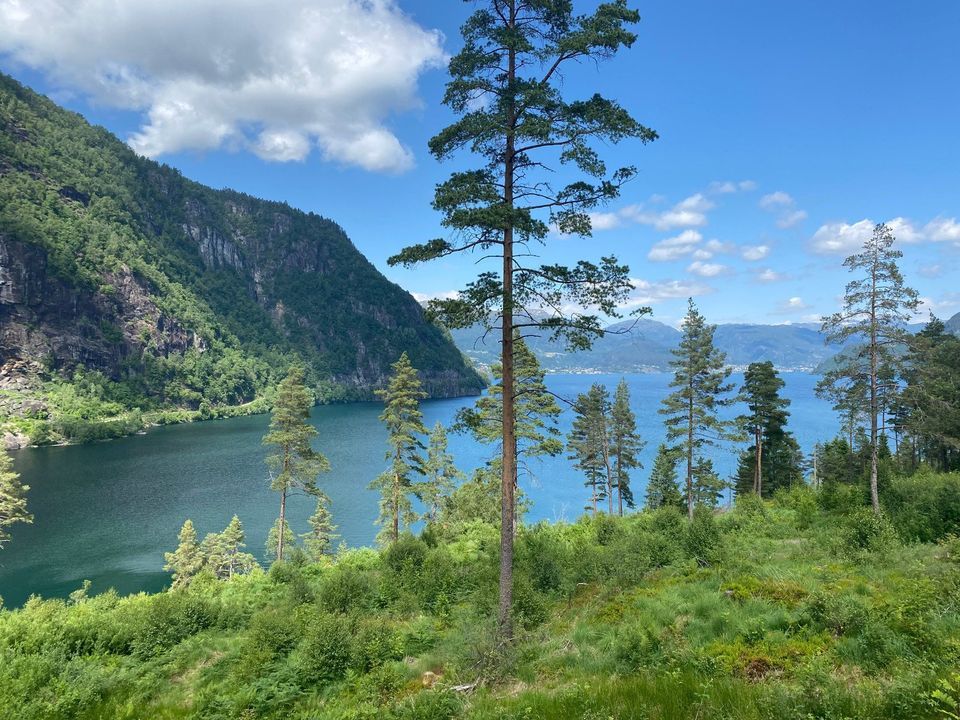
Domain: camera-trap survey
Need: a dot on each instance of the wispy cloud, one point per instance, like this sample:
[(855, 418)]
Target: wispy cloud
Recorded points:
[(754, 252), (705, 269), (769, 275), (726, 187), (674, 248), (647, 292), (784, 207), (844, 238)]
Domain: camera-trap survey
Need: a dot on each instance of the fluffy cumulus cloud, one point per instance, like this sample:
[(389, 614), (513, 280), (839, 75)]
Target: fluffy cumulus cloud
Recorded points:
[(769, 275), (245, 74), (674, 248), (725, 187), (690, 212), (706, 269), (792, 305), (943, 229), (784, 207), (841, 238)]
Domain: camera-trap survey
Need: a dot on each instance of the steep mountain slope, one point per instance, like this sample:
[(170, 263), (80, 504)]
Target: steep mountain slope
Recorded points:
[(953, 324), (178, 293)]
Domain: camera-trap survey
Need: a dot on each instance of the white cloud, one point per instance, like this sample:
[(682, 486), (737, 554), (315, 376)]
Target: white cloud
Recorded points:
[(904, 230), (769, 275), (605, 220), (726, 187), (943, 229), (704, 269), (791, 218), (689, 212), (646, 292), (784, 206), (246, 74), (676, 247), (841, 238), (754, 252), (792, 305), (930, 271), (776, 200), (943, 307)]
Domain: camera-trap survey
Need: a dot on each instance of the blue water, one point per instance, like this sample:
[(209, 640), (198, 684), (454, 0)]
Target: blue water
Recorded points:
[(107, 512)]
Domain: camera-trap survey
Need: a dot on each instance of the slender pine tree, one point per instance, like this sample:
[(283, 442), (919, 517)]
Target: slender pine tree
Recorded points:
[(625, 445), (404, 423), (588, 443), (505, 86), (439, 472), (765, 424), (319, 541), (876, 308), (690, 412), (294, 460)]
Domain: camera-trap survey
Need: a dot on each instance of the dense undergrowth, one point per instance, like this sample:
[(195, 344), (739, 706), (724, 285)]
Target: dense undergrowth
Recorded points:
[(772, 610)]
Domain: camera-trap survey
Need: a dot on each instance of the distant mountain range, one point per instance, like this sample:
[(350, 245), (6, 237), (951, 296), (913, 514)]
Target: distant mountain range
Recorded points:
[(646, 345), (953, 324)]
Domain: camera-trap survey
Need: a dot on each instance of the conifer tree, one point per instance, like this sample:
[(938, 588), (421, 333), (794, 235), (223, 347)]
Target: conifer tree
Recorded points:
[(187, 560), (319, 541), (505, 86), (876, 308), (223, 552), (439, 472), (662, 490), (625, 444), (765, 425), (707, 485), (588, 443), (13, 498), (404, 423), (700, 381), (294, 460)]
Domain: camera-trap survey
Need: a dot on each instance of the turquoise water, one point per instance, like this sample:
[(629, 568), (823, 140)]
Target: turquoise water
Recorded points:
[(107, 512)]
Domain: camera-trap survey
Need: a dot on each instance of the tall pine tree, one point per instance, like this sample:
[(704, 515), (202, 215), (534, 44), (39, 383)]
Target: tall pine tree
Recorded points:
[(690, 411), (876, 307), (625, 444), (319, 541), (505, 86), (13, 498), (588, 443), (294, 461), (187, 560), (404, 421)]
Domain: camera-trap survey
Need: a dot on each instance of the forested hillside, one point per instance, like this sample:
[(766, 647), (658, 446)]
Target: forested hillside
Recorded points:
[(140, 288)]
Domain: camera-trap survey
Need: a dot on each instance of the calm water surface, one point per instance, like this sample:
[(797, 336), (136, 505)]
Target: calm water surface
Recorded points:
[(107, 512)]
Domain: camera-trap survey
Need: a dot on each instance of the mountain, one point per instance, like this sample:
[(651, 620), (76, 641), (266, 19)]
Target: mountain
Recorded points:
[(167, 293), (953, 324), (645, 346)]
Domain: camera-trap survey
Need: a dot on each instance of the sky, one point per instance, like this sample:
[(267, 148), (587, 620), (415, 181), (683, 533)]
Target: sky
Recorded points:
[(787, 129)]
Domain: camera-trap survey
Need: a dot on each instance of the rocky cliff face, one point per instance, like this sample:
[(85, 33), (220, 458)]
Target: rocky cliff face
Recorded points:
[(112, 262)]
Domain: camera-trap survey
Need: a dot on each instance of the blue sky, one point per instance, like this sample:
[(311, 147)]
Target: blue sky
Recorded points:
[(787, 129)]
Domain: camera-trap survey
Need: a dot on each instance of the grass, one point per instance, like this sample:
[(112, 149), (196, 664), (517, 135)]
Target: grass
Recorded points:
[(785, 624)]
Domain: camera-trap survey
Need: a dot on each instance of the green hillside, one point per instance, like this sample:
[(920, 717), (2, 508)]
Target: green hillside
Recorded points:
[(142, 289)]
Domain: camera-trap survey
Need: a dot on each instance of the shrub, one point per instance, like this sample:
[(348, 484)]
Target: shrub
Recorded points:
[(924, 507), (429, 705), (702, 540), (345, 589), (170, 618), (324, 654), (864, 531), (375, 644)]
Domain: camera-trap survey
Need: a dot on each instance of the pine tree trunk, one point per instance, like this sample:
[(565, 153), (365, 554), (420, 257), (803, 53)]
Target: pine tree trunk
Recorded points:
[(283, 521), (620, 481), (396, 507), (874, 493), (690, 445), (606, 461), (759, 464), (508, 470)]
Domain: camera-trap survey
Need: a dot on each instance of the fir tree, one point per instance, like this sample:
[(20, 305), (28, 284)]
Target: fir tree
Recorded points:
[(13, 498), (876, 307), (662, 490), (294, 461), (588, 443), (439, 472), (319, 541), (404, 423), (186, 561), (774, 460), (506, 89), (625, 444), (700, 381), (707, 485)]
